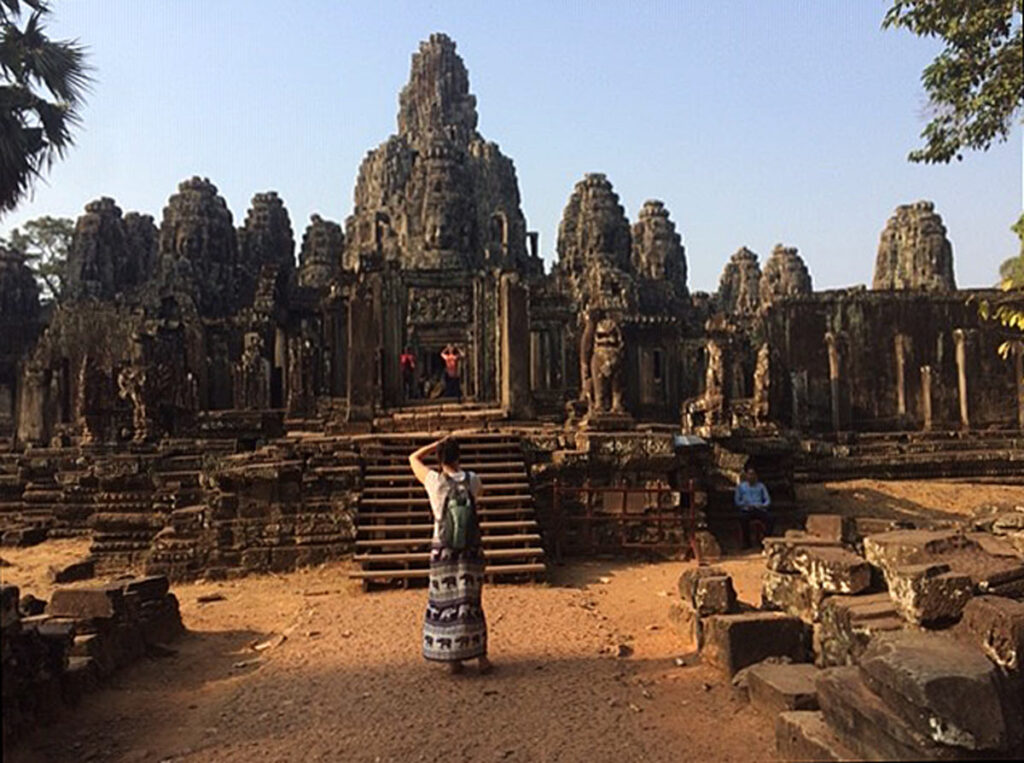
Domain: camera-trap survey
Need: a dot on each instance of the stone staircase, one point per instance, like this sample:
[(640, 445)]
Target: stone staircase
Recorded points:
[(427, 416), (915, 455), (395, 526)]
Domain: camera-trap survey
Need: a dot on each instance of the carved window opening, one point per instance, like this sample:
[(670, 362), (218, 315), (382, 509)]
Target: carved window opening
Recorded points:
[(499, 231), (657, 371), (381, 232)]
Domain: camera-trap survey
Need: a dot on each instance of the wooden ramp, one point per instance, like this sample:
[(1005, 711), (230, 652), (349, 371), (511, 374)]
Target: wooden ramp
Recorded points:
[(394, 523)]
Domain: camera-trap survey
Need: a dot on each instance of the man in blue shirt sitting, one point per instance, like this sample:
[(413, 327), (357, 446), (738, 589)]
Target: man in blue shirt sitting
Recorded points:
[(752, 499)]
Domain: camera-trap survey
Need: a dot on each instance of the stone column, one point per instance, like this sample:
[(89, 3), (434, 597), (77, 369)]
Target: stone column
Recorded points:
[(900, 342), (926, 398), (515, 348), (798, 386), (1018, 373), (833, 377), (363, 350), (960, 339)]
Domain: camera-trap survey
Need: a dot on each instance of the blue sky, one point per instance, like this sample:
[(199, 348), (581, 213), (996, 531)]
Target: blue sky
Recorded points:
[(755, 122)]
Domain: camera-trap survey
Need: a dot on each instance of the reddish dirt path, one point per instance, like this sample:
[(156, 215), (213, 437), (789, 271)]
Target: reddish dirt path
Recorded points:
[(348, 684)]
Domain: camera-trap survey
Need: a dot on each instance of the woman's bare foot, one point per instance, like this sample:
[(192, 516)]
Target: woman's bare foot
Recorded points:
[(485, 666), (454, 668)]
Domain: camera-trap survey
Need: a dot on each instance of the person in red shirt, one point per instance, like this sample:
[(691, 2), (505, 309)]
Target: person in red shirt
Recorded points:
[(451, 355), (407, 364)]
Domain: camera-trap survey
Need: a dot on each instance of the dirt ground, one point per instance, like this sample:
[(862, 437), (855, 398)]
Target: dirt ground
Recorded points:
[(347, 683), (907, 499)]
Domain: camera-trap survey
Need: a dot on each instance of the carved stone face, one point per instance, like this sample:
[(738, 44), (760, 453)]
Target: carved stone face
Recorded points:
[(607, 334)]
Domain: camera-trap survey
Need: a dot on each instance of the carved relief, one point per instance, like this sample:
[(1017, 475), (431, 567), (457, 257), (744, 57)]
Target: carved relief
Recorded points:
[(436, 305)]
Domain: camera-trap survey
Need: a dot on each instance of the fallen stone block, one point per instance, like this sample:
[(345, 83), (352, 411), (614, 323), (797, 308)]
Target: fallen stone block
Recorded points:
[(31, 605), (996, 625), (148, 588), (774, 688), (833, 570), (732, 642), (832, 527), (71, 573), (9, 612), (93, 602), (900, 548), (945, 691), (780, 552), (848, 623), (929, 593), (866, 725), (687, 623), (804, 735), (791, 593), (81, 677)]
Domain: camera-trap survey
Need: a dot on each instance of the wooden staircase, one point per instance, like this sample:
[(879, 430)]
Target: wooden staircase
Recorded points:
[(394, 524)]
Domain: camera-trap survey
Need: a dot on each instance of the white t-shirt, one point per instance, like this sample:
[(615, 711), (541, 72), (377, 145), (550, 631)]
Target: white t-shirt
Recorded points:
[(437, 486)]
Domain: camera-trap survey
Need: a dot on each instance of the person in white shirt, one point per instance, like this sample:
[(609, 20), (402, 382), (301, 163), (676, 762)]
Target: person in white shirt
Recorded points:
[(454, 628)]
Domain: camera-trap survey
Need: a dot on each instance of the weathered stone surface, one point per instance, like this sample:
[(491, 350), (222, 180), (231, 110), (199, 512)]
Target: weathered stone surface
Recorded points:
[(708, 590), (69, 573), (837, 528), (902, 547), (929, 593), (865, 724), (996, 625), (947, 692), (687, 623), (913, 252), (784, 275), (101, 602), (774, 688), (323, 246), (732, 642), (805, 735), (148, 588), (658, 256), (847, 624), (9, 614), (791, 593), (833, 570), (780, 553), (740, 284)]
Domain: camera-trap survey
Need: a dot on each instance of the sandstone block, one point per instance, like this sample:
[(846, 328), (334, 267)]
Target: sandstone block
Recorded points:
[(929, 593), (996, 625), (945, 691), (832, 527), (103, 602), (780, 552), (70, 573), (775, 688), (847, 624), (732, 642), (791, 593), (687, 623), (865, 724), (148, 588), (833, 570), (899, 548), (804, 735), (9, 598)]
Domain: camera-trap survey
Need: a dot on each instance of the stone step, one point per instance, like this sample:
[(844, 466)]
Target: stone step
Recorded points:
[(806, 735), (487, 540), (483, 467), (406, 477), (416, 489), (414, 556), (367, 518), (522, 524), (495, 570), (422, 500)]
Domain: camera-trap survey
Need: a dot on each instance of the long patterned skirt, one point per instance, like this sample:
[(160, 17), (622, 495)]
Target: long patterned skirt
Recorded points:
[(455, 628)]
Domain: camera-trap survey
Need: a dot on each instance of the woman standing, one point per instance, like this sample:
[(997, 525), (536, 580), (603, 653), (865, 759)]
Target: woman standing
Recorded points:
[(455, 628)]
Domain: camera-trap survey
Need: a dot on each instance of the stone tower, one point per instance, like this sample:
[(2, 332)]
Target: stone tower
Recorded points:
[(740, 284), (266, 237), (140, 242), (785, 274), (98, 255), (658, 253), (19, 292), (323, 245), (913, 252), (437, 195), (198, 243), (595, 246)]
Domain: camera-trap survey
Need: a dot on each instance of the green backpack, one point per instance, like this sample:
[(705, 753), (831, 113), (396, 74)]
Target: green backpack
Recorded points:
[(459, 526)]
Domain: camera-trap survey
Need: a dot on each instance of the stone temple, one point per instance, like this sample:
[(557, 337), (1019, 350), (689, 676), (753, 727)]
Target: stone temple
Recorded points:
[(207, 400)]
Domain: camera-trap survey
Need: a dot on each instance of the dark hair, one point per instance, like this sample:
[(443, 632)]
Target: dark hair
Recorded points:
[(448, 452)]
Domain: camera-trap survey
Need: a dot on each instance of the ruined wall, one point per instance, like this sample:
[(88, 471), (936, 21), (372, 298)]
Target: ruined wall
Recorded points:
[(913, 252), (867, 327)]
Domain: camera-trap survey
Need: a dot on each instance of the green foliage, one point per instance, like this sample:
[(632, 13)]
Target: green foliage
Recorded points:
[(42, 84), (975, 86), (45, 243), (1008, 309)]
